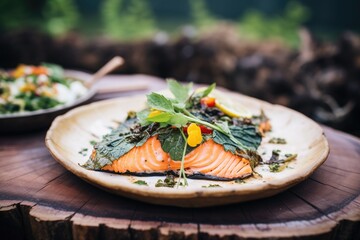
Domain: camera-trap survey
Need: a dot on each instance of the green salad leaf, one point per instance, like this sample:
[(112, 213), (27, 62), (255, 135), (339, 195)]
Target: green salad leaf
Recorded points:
[(180, 92), (173, 143), (247, 135), (159, 102), (208, 90)]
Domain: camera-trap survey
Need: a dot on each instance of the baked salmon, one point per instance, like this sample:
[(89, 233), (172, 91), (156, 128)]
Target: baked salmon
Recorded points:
[(209, 160)]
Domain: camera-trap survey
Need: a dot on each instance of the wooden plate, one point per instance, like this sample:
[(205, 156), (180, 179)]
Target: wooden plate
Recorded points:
[(72, 132), (41, 119)]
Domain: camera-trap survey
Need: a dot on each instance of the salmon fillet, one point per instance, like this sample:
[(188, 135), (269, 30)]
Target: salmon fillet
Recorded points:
[(209, 160)]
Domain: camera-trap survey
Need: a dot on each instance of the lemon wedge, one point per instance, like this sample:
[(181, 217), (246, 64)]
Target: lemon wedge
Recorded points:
[(227, 106)]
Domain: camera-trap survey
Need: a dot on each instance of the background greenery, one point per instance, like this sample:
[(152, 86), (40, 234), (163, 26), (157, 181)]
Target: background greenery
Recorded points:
[(137, 19)]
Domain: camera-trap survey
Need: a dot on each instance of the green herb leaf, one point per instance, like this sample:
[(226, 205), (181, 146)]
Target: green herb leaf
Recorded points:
[(142, 117), (246, 135), (277, 163), (224, 126), (178, 120), (161, 117), (208, 90), (160, 102), (173, 143), (181, 92), (275, 167), (225, 141), (141, 182)]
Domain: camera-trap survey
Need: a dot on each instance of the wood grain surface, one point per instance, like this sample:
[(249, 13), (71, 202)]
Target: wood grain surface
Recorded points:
[(39, 199)]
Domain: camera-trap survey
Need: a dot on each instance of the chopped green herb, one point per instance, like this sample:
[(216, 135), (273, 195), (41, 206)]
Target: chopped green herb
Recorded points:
[(239, 181), (83, 151), (274, 167), (277, 164), (211, 186), (169, 181), (277, 140), (141, 182), (93, 142)]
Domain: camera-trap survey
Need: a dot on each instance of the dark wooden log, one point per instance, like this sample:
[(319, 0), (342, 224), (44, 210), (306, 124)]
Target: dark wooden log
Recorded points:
[(39, 199)]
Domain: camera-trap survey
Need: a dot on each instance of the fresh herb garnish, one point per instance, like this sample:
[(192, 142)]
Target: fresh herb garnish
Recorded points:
[(275, 167), (169, 182), (141, 182), (277, 164), (93, 142), (275, 140)]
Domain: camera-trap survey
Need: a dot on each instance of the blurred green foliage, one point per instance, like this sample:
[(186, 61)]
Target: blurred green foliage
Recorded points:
[(134, 19), (13, 14), (60, 16), (127, 20), (200, 14), (255, 25), (54, 16)]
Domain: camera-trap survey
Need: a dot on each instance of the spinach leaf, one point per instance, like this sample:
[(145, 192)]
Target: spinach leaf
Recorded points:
[(119, 142), (173, 143), (246, 134)]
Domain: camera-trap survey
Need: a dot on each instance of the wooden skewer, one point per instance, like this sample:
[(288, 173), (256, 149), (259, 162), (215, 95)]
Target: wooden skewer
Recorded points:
[(107, 68)]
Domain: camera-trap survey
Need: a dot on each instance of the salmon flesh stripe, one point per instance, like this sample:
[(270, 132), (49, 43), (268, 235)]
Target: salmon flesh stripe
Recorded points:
[(208, 160)]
